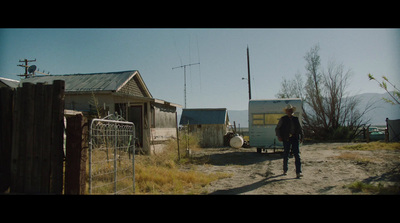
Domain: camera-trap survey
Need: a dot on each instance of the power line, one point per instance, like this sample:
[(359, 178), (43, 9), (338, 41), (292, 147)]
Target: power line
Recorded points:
[(248, 72)]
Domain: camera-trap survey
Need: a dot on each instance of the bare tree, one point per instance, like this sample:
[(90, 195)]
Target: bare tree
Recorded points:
[(317, 117), (291, 88), (329, 111)]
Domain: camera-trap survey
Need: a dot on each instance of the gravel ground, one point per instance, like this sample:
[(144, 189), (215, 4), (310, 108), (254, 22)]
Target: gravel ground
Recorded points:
[(326, 170)]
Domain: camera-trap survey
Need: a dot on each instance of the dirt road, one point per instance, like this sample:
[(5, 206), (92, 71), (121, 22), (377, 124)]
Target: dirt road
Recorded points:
[(326, 170)]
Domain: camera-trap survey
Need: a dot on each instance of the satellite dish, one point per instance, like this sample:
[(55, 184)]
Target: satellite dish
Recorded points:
[(32, 69)]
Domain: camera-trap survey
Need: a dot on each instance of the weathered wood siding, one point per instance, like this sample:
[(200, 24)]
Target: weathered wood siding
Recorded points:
[(210, 135), (163, 116), (163, 126)]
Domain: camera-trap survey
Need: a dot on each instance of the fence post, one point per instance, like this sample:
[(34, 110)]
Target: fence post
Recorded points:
[(57, 152), (387, 130), (115, 157), (76, 155), (177, 135)]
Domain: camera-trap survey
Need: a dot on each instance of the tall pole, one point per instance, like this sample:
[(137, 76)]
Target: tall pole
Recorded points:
[(184, 88), (248, 71), (184, 77), (26, 65)]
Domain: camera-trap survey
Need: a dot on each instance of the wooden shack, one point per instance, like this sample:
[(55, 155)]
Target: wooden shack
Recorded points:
[(124, 93), (209, 124)]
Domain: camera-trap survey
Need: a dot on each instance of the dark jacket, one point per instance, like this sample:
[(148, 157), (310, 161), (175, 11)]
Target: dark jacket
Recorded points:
[(282, 130)]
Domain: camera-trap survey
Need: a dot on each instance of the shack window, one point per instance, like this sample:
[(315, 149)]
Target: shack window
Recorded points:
[(272, 119), (258, 119)]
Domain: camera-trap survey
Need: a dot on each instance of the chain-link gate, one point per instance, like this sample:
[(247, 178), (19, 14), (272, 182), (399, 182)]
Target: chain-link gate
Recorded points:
[(111, 156)]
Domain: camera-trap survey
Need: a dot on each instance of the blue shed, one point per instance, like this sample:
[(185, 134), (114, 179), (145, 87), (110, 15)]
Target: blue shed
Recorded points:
[(210, 124)]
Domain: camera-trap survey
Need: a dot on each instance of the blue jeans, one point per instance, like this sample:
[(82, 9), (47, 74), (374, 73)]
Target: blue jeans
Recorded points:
[(296, 152)]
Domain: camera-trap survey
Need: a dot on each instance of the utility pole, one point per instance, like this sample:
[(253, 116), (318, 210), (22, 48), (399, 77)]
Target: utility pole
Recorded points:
[(26, 65), (248, 71), (184, 75)]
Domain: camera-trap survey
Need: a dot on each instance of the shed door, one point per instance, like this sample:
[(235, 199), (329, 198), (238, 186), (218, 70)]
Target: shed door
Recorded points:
[(135, 116)]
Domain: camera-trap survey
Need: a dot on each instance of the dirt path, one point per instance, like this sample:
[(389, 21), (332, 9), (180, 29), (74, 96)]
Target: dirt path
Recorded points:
[(326, 170)]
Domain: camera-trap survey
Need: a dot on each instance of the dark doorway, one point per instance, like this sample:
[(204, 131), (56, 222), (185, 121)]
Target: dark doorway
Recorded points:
[(135, 116)]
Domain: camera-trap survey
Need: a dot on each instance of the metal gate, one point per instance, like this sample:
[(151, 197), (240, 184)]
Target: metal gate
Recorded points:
[(111, 156)]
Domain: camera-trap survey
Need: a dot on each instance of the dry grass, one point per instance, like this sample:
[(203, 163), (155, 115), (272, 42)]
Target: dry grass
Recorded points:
[(366, 188), (152, 179), (157, 174), (372, 146), (359, 158), (103, 173), (161, 173), (354, 157)]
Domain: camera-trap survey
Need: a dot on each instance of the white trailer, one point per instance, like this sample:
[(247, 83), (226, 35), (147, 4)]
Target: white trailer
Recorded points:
[(264, 116)]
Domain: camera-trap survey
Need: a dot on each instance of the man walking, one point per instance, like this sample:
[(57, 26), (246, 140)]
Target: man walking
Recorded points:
[(290, 133)]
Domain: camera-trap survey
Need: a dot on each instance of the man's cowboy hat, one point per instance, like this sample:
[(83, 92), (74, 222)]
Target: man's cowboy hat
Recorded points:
[(289, 106)]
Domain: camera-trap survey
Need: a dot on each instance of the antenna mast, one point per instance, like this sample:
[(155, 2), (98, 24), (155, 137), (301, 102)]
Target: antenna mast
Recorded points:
[(30, 70), (26, 65), (184, 75)]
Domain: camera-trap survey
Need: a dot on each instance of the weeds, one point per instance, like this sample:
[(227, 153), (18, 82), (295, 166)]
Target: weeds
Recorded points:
[(354, 157), (160, 173), (152, 179), (368, 188), (372, 146), (359, 186)]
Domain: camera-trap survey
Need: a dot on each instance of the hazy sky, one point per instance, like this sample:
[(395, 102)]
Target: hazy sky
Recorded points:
[(217, 82)]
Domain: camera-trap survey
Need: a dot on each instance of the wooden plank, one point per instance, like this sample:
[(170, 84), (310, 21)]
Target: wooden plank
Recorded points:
[(47, 132), (38, 138), (6, 118), (75, 165), (74, 138), (27, 131), (16, 179), (57, 152)]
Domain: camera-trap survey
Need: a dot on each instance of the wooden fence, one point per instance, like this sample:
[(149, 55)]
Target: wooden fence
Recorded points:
[(32, 139), (76, 154)]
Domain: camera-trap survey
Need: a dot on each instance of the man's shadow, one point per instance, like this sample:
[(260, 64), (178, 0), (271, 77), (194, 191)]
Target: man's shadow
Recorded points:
[(253, 186)]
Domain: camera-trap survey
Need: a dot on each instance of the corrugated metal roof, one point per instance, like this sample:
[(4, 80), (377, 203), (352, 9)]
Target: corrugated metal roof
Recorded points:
[(204, 116), (9, 82), (110, 81)]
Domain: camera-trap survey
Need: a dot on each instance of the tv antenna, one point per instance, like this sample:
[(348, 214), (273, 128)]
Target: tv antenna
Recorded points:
[(30, 70), (184, 75)]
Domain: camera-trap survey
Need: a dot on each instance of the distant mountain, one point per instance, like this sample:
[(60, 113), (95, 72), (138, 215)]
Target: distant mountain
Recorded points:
[(240, 117), (381, 110)]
